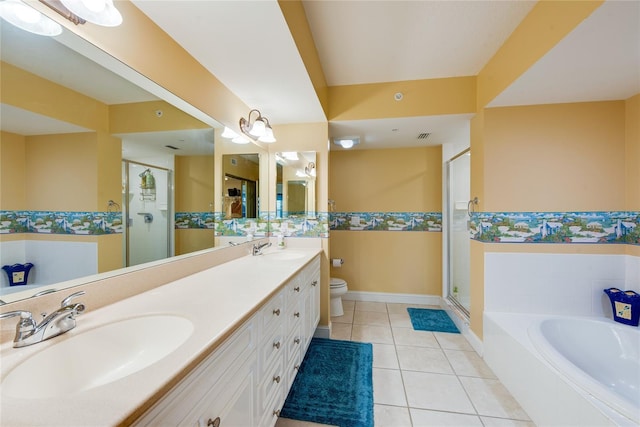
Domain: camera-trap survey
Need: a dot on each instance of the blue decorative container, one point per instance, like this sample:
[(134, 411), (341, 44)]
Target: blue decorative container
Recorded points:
[(18, 273), (625, 306)]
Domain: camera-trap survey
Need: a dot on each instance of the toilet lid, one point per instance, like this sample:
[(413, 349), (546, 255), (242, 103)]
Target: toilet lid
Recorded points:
[(335, 282)]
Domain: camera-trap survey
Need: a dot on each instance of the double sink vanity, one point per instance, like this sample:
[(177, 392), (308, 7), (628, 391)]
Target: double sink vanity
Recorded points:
[(218, 347)]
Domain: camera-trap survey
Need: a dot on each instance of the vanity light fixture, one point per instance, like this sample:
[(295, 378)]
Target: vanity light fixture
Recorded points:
[(29, 19), (257, 129), (347, 142), (100, 12), (234, 137), (310, 169)]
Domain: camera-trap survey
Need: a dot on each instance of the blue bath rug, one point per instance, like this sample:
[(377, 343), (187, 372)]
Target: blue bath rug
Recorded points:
[(425, 319), (334, 385)]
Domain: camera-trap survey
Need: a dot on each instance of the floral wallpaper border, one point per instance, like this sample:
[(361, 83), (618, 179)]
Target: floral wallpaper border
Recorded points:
[(386, 221), (60, 222), (557, 227)]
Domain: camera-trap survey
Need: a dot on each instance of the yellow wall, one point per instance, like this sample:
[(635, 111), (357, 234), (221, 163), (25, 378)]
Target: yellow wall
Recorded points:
[(632, 153), (397, 180), (12, 167), (194, 193), (562, 157)]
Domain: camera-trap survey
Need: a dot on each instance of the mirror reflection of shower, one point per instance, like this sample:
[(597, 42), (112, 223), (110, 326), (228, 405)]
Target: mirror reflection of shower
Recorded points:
[(147, 208)]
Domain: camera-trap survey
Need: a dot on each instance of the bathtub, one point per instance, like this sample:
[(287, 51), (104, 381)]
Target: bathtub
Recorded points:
[(567, 371)]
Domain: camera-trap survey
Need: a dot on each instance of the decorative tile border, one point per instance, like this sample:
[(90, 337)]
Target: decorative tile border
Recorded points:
[(197, 220), (557, 227), (386, 221), (56, 222)]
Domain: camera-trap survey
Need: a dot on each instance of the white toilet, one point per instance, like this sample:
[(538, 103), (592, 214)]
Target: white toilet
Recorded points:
[(338, 288)]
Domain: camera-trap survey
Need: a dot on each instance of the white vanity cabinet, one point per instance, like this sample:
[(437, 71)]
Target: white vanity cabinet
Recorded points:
[(245, 381), (220, 390)]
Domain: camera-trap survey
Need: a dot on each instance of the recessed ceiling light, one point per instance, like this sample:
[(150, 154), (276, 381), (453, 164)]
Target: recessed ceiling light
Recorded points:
[(347, 142)]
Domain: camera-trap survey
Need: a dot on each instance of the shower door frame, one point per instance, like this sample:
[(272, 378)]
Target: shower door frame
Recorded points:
[(448, 211)]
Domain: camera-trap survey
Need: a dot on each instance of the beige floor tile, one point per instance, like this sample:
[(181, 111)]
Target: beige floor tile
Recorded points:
[(371, 318), (501, 422), (348, 305), (439, 392), (373, 334), (341, 331), (384, 356), (391, 416), (379, 307), (453, 341), (400, 320), (398, 308), (408, 336), (388, 388), (468, 364), (423, 359), (491, 398), (347, 317), (424, 418)]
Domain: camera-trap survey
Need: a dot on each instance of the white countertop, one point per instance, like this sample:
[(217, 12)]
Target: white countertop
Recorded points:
[(217, 301)]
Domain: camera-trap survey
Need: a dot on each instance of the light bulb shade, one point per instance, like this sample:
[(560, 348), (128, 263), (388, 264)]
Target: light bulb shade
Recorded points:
[(27, 18), (228, 133), (346, 143), (239, 139), (258, 128), (268, 135), (100, 12)]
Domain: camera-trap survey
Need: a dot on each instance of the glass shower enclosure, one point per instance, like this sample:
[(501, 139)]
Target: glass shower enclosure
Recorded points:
[(459, 244)]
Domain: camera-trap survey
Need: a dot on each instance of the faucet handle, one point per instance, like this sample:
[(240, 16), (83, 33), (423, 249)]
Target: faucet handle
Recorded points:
[(25, 325), (65, 302)]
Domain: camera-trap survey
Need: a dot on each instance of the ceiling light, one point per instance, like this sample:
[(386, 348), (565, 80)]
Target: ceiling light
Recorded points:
[(27, 18), (100, 12), (346, 142), (257, 129)]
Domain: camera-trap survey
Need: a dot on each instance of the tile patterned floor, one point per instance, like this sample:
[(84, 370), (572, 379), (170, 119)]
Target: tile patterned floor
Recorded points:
[(423, 378)]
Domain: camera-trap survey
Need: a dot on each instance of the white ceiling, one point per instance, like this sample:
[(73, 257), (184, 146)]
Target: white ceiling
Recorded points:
[(251, 51)]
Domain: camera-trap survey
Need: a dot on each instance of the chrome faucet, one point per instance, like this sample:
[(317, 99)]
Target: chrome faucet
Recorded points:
[(257, 248), (28, 332)]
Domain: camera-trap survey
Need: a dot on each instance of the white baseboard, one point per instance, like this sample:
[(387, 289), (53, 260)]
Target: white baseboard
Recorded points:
[(392, 298), (322, 332)]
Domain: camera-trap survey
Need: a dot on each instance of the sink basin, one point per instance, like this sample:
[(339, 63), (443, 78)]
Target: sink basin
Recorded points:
[(283, 255), (97, 356)]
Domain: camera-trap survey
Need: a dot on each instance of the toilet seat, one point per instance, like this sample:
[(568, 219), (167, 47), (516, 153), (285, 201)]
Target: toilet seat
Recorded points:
[(337, 282)]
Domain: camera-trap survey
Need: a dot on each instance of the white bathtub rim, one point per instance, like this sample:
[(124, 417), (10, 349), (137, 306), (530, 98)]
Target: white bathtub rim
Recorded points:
[(597, 392)]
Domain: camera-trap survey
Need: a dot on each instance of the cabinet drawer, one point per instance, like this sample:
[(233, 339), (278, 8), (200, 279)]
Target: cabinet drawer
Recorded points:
[(272, 312), (271, 383), (271, 348)]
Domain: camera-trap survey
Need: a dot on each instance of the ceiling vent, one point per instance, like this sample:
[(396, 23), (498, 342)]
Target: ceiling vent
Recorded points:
[(423, 135)]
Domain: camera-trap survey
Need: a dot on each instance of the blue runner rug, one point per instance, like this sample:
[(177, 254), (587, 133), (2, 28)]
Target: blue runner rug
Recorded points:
[(334, 385), (425, 319)]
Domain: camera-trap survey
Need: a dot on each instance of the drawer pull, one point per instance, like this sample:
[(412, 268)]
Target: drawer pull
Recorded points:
[(297, 367), (315, 282), (276, 413), (296, 314), (297, 289), (297, 340), (213, 423), (277, 379), (276, 312), (277, 344)]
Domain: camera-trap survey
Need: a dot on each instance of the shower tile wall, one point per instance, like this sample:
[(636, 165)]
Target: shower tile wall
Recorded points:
[(562, 284)]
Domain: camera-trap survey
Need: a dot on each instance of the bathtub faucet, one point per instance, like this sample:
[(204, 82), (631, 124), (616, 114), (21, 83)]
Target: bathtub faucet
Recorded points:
[(28, 332)]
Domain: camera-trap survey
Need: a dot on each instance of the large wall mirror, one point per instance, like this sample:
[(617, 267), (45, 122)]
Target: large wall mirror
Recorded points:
[(296, 184), (97, 173)]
